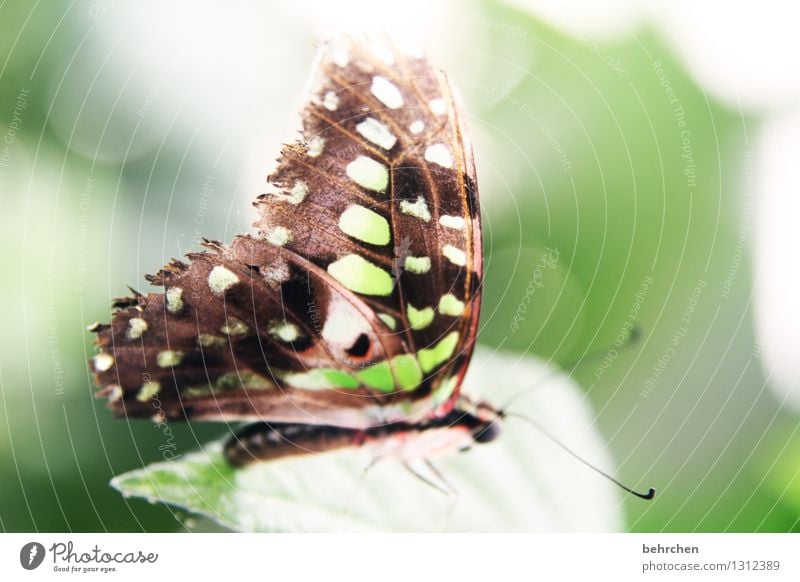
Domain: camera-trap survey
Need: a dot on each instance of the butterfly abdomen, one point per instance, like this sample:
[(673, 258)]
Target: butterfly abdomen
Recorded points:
[(264, 441), (401, 440)]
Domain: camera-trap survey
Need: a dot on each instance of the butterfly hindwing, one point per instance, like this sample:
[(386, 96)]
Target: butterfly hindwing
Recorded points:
[(236, 335), (357, 301)]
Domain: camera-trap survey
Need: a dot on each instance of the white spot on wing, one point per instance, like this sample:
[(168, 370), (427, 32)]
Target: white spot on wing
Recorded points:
[(417, 127), (114, 394), (438, 106), (136, 327), (103, 362), (418, 208), (387, 92), (377, 133), (174, 296), (315, 146), (276, 273), (439, 154), (279, 236), (234, 326), (220, 279), (454, 255), (344, 324), (330, 101), (207, 340), (296, 195), (284, 331), (454, 222)]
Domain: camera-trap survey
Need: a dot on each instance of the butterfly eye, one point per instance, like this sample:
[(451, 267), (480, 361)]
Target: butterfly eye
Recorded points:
[(486, 433)]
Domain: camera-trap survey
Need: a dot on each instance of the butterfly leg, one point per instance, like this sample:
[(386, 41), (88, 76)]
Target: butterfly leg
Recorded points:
[(349, 510), (435, 479), (367, 469), (452, 490)]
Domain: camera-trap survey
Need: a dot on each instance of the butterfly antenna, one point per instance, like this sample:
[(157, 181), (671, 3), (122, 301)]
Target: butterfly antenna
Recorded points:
[(649, 495), (633, 337)]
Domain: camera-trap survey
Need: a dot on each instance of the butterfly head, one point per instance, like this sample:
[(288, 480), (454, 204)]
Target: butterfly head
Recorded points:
[(483, 420), (487, 432)]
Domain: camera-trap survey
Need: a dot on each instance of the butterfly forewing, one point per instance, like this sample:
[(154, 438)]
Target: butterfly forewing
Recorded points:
[(391, 193), (357, 301)]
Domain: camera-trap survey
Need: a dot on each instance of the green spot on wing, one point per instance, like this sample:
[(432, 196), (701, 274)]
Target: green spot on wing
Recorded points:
[(418, 265), (196, 391), (148, 390), (359, 275), (168, 358), (321, 379), (450, 305), (368, 173), (430, 358), (244, 379), (365, 225), (419, 318), (407, 371), (401, 371), (378, 376), (208, 340)]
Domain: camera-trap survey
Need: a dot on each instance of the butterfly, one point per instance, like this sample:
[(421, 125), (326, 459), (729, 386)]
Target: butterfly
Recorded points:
[(349, 318)]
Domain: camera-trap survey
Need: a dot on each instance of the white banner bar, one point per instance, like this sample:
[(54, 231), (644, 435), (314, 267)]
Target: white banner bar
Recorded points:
[(400, 557)]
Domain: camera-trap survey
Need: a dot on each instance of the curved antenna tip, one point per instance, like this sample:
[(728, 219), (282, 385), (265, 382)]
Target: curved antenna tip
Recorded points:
[(649, 495)]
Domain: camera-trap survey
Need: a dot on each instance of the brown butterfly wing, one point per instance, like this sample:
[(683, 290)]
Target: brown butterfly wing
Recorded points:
[(359, 298)]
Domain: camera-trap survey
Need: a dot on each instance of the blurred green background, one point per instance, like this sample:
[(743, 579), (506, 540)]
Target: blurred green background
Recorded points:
[(132, 132)]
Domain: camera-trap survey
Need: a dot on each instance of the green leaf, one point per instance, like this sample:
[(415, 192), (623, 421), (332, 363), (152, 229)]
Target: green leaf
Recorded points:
[(520, 482)]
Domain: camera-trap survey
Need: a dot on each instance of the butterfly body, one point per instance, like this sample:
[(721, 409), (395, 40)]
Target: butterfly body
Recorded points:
[(404, 441), (351, 315)]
